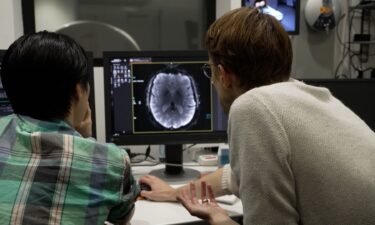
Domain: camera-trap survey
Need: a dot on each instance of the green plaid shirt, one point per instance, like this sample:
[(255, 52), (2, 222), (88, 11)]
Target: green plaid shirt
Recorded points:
[(49, 174)]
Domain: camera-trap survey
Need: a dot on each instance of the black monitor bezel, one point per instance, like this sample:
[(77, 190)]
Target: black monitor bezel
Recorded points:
[(297, 21), (147, 139), (2, 53)]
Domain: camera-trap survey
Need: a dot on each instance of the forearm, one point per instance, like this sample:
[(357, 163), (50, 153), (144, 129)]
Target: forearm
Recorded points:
[(161, 191), (218, 220), (213, 179)]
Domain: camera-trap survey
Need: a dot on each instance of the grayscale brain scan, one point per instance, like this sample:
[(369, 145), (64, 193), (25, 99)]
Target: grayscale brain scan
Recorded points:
[(172, 98)]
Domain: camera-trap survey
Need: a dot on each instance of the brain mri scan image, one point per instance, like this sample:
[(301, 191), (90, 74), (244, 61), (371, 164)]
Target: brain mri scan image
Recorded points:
[(172, 98)]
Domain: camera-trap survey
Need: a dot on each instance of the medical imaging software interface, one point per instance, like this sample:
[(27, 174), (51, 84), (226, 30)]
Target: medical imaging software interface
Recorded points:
[(285, 11), (5, 107), (157, 96)]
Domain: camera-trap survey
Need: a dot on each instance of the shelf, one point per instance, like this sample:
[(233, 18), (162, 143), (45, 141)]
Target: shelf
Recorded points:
[(370, 5), (363, 42)]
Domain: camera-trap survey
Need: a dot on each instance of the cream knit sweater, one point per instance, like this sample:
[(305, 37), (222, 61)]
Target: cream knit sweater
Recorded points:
[(299, 156)]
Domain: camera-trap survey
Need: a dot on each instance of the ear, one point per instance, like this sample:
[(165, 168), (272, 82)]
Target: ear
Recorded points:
[(79, 91), (226, 77)]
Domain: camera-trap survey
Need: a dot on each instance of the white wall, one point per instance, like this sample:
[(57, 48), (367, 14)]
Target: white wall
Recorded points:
[(99, 103), (10, 22), (313, 51), (223, 6), (62, 12)]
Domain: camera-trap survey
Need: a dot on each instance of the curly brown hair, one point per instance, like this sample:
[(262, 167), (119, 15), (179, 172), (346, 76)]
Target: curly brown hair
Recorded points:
[(252, 45)]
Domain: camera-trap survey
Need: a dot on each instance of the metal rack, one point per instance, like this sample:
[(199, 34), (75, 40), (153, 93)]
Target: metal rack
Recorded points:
[(363, 38)]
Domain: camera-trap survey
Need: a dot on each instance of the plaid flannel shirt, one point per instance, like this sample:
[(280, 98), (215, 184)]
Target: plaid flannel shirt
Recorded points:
[(49, 174)]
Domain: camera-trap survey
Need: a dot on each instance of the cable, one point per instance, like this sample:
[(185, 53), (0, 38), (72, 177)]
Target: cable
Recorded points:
[(346, 45), (337, 32), (342, 44), (339, 65), (347, 49), (190, 146), (148, 149), (357, 66), (146, 156)]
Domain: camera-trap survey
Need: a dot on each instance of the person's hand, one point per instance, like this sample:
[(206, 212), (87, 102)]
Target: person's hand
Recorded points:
[(207, 209), (160, 190), (85, 127)]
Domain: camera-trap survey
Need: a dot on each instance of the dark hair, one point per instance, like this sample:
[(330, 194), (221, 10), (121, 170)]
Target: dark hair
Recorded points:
[(252, 45), (40, 72)]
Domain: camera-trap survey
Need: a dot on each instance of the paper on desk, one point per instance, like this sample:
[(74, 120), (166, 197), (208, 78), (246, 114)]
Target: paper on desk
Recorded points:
[(227, 199)]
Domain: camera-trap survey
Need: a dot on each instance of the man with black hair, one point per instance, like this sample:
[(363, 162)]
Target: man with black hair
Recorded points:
[(51, 172)]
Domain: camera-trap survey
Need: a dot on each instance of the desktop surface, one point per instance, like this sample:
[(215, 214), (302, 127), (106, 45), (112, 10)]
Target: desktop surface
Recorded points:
[(162, 213)]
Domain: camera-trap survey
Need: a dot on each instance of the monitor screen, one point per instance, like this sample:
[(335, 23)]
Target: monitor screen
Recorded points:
[(162, 98), (285, 11), (356, 94), (5, 107)]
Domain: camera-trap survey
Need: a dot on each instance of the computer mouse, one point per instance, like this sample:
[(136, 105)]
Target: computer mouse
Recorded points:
[(145, 187)]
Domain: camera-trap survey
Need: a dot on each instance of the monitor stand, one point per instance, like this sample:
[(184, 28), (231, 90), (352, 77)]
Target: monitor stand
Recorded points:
[(174, 171)]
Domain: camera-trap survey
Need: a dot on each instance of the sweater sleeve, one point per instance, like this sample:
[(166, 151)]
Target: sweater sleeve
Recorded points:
[(260, 156), (228, 185)]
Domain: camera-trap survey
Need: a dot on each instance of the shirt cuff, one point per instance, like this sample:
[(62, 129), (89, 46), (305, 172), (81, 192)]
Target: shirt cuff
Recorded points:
[(228, 182), (226, 179)]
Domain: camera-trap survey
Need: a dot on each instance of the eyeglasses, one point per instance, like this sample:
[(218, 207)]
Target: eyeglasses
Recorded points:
[(206, 68)]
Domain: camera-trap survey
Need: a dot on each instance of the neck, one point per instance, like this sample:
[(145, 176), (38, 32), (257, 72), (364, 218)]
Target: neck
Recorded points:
[(70, 117)]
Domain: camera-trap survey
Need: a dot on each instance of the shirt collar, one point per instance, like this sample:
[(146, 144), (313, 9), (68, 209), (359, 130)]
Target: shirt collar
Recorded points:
[(30, 125)]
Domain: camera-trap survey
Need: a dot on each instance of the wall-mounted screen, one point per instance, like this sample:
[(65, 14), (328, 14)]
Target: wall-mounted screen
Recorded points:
[(285, 11)]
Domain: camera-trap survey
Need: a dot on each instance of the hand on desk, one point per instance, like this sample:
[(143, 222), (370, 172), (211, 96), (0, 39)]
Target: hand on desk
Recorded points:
[(163, 192), (160, 190)]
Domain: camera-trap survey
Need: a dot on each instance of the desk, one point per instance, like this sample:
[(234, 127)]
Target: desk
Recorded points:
[(163, 213)]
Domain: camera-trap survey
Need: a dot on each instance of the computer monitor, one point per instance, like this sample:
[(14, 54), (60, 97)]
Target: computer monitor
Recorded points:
[(5, 107), (287, 12), (356, 94), (161, 97)]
